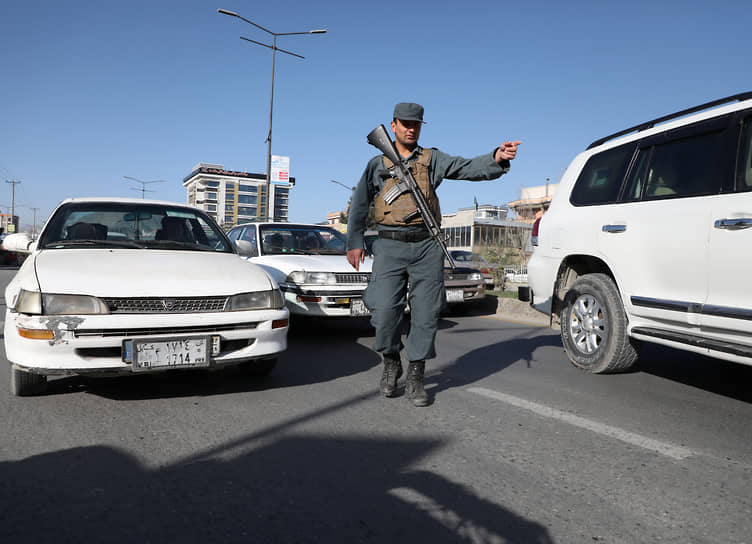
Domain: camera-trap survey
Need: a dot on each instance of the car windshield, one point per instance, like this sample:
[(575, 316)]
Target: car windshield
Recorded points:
[(462, 256), (132, 226), (285, 239)]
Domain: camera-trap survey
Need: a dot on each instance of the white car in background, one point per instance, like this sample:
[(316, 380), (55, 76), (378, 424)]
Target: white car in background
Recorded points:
[(309, 262), (121, 286)]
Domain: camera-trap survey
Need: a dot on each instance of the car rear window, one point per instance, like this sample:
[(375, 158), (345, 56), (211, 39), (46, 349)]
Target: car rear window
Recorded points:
[(601, 178)]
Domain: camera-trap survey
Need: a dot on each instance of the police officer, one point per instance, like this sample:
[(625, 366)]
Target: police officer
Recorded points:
[(404, 252)]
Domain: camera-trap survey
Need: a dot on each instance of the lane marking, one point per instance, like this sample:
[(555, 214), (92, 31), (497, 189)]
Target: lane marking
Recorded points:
[(460, 523), (664, 448)]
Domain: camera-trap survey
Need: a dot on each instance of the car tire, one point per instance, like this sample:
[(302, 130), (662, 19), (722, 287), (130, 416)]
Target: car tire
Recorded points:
[(594, 327), (260, 367), (24, 384)]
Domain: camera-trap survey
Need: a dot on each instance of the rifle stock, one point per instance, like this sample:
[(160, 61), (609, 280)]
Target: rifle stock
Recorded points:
[(380, 139)]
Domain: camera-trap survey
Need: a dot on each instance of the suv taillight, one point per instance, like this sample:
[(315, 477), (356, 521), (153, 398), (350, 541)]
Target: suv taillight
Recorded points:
[(536, 227)]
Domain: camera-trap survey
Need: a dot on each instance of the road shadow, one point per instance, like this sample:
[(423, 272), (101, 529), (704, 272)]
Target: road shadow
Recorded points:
[(488, 360), (706, 373), (295, 489), (485, 306)]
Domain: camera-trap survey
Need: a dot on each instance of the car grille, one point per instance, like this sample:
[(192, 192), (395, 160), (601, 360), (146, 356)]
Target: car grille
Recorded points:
[(158, 305), (162, 331), (355, 277)]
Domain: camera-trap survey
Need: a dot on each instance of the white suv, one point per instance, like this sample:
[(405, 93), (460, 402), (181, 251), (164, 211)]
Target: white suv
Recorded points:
[(649, 238)]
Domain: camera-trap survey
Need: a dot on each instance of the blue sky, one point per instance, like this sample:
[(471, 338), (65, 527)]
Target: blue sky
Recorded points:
[(92, 91)]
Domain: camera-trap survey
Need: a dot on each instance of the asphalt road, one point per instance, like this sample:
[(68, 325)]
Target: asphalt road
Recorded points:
[(516, 446)]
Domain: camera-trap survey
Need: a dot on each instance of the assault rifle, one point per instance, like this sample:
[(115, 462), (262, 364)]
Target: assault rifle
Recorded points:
[(380, 139)]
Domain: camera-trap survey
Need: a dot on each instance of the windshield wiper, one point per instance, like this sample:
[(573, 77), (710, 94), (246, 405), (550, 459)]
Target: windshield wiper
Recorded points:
[(173, 244), (89, 243)]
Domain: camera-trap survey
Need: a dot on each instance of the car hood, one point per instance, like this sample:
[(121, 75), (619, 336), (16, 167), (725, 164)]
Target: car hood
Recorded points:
[(145, 273), (279, 266)]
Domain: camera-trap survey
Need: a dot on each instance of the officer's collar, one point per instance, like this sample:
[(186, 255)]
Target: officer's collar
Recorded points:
[(414, 153)]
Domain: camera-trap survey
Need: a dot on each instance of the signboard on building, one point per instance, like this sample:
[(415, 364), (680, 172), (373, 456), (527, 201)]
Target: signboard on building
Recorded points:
[(280, 169)]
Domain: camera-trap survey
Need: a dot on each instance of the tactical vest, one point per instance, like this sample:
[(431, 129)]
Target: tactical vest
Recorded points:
[(403, 207)]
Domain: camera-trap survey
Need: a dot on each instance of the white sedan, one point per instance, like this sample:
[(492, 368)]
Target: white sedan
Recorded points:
[(121, 286), (309, 262)]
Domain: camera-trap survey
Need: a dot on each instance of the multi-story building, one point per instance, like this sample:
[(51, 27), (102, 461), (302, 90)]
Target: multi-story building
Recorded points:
[(484, 225), (232, 197)]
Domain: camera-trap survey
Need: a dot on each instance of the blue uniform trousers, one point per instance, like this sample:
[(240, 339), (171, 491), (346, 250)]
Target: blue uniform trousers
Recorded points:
[(421, 264)]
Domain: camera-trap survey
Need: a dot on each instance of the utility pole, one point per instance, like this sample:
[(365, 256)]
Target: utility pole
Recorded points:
[(34, 228), (13, 184)]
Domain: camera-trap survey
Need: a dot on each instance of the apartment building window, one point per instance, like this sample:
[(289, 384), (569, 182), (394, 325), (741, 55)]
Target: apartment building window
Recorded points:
[(247, 210), (247, 199)]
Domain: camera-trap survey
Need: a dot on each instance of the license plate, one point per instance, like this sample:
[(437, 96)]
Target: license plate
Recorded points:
[(169, 353), (455, 295), (358, 307)]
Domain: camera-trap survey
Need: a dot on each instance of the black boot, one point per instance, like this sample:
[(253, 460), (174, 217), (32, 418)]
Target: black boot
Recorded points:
[(414, 387), (392, 373)]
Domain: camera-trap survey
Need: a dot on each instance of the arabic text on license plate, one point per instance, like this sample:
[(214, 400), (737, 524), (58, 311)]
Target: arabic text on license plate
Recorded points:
[(455, 295), (358, 307), (169, 353)]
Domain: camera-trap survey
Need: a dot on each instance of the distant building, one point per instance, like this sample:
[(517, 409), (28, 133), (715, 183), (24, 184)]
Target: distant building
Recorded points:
[(9, 223), (232, 197), (334, 219), (484, 225), (533, 202)]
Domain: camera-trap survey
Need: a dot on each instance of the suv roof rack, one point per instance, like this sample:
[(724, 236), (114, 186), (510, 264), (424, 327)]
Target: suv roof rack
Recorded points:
[(651, 124)]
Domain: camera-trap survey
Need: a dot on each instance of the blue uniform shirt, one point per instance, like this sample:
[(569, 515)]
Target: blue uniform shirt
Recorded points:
[(442, 167)]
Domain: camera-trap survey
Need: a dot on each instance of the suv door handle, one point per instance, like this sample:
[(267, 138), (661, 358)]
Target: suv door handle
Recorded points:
[(733, 224), (614, 228)]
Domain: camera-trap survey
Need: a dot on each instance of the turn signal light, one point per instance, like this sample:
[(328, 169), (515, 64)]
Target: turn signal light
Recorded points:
[(36, 334), (279, 323)]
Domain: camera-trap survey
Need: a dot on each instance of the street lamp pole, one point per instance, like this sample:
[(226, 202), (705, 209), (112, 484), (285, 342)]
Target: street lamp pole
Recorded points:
[(143, 188), (274, 49)]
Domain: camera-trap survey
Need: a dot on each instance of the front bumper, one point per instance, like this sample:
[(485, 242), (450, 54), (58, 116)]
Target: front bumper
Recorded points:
[(470, 292), (93, 344), (323, 302)]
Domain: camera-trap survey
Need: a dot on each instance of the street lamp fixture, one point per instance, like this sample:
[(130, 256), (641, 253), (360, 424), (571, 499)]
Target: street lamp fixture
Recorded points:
[(343, 185), (274, 49), (143, 188)]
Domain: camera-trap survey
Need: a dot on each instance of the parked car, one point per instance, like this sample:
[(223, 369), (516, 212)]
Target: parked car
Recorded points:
[(463, 284), (647, 240), (7, 258), (310, 265), (122, 286), (474, 260)]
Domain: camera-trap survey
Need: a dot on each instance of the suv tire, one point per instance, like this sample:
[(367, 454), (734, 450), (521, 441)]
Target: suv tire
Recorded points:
[(594, 326)]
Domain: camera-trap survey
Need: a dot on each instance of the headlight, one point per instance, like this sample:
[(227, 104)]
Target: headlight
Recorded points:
[(30, 302), (315, 278), (475, 276), (73, 305), (261, 300)]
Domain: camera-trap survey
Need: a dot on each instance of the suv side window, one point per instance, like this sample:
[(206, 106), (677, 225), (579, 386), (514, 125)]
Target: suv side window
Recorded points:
[(689, 162), (684, 167), (601, 177), (744, 161)]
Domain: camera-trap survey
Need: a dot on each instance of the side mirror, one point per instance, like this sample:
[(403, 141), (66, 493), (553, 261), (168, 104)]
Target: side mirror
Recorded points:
[(20, 242), (245, 248)]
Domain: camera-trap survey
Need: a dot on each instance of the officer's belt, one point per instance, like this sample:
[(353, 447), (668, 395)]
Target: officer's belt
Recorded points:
[(405, 235)]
